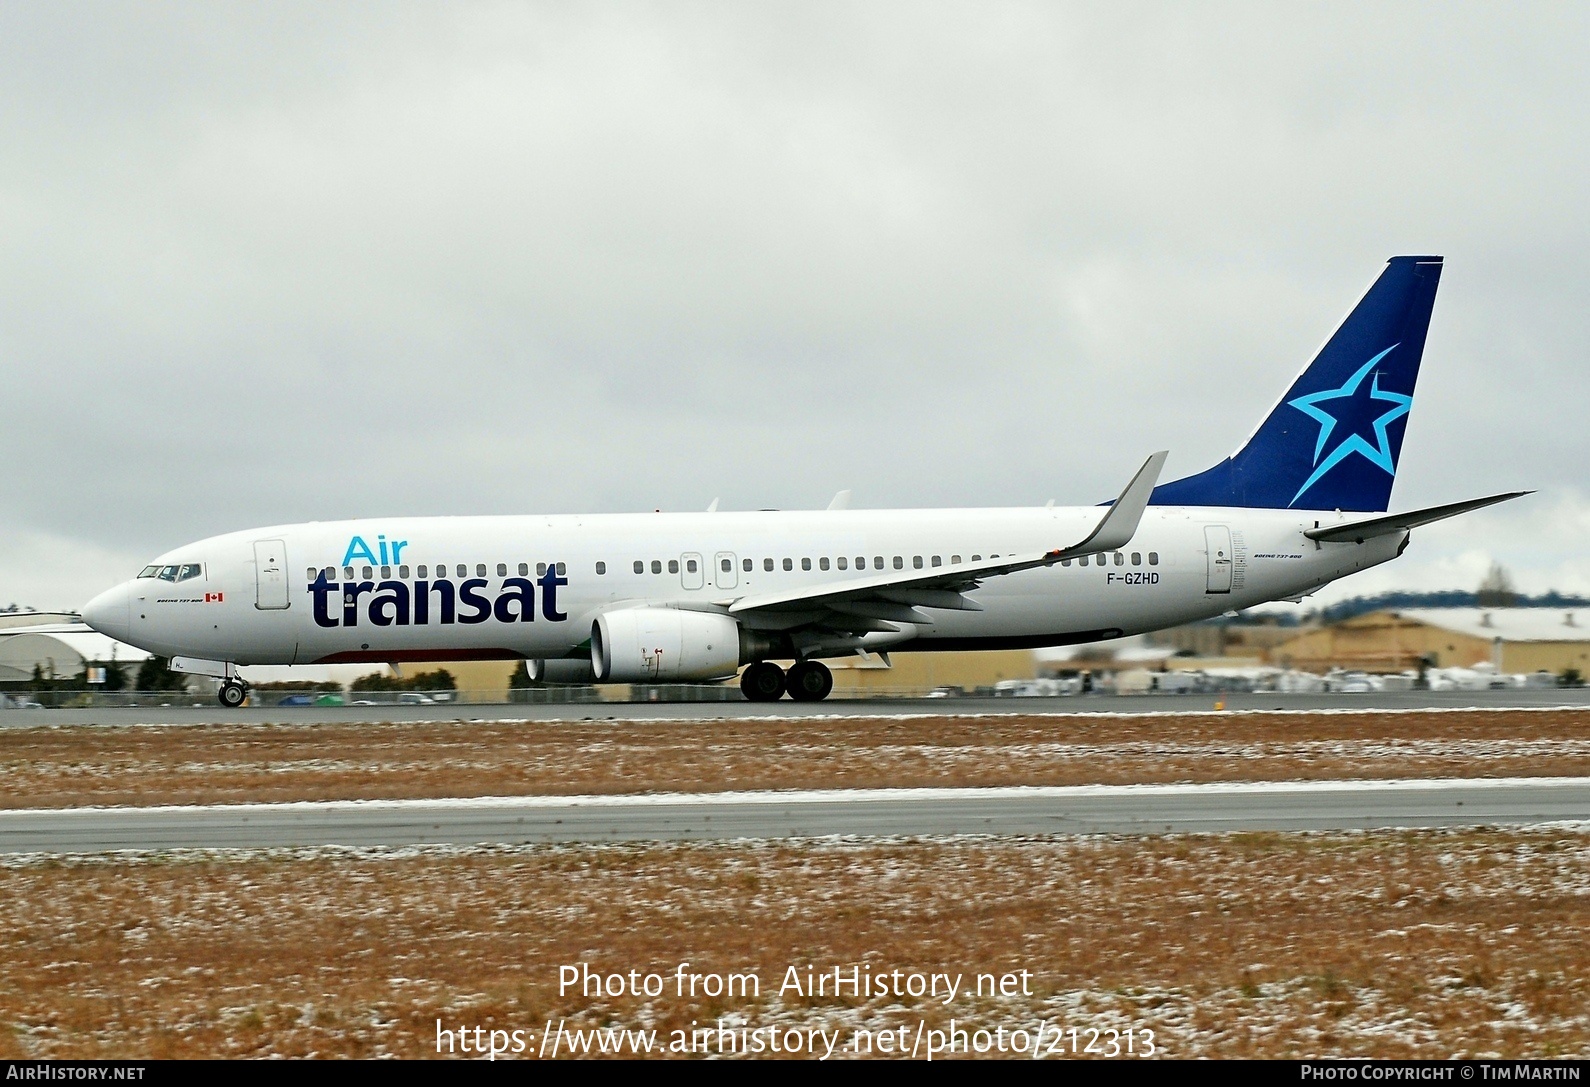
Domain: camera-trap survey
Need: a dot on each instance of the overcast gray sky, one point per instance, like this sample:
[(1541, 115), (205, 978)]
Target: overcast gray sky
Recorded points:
[(275, 262)]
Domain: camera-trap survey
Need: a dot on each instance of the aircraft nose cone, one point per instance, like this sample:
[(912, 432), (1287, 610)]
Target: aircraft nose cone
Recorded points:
[(110, 613)]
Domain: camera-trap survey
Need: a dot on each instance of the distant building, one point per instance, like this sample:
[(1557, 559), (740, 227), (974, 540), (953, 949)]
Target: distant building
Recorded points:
[(62, 655), (1517, 640)]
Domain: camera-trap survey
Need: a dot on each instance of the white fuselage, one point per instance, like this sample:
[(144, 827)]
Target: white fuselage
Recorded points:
[(530, 586)]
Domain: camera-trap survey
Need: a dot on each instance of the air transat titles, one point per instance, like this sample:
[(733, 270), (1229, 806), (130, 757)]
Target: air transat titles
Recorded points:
[(439, 600)]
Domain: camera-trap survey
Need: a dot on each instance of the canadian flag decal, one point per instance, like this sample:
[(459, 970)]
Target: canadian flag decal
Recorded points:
[(213, 598)]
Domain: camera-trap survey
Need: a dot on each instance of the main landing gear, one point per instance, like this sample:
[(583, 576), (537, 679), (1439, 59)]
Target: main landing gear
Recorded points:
[(807, 681), (232, 693)]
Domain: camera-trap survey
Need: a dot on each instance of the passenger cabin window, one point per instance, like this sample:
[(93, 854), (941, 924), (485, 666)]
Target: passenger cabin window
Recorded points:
[(656, 566), (601, 568), (899, 563), (916, 562), (1120, 559), (541, 569), (746, 565), (937, 561), (977, 558), (844, 563), (480, 569), (1137, 558), (822, 563), (640, 567), (461, 570), (312, 573), (1153, 558), (767, 564), (422, 571), (347, 573), (789, 565), (386, 572), (727, 566), (806, 564), (1065, 562), (403, 573), (955, 560), (690, 566), (502, 569), (673, 566), (877, 562), (524, 569), (563, 569), (368, 573)]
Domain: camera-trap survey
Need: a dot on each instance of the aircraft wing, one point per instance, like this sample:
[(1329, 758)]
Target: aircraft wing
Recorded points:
[(1359, 531), (896, 596)]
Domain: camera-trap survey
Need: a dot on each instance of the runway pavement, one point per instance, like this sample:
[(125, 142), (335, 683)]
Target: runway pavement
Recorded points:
[(1542, 698), (1129, 809)]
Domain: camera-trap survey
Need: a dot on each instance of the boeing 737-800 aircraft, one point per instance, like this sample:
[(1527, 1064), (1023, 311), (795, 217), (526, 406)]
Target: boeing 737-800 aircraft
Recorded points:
[(660, 597)]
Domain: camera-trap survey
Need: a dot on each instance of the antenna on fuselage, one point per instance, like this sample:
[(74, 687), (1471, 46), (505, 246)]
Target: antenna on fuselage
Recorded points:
[(841, 501)]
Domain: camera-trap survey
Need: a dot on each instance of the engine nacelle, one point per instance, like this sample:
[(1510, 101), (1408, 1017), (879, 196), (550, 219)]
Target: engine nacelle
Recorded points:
[(575, 672), (663, 645)]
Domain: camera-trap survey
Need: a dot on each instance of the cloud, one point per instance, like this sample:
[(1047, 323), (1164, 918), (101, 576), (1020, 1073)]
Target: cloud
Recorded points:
[(274, 264)]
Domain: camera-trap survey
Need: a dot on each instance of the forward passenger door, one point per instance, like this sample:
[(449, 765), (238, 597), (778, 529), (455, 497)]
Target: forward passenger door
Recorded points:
[(270, 575)]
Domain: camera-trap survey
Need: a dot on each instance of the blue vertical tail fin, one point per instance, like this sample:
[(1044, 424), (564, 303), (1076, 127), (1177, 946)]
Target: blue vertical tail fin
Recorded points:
[(1333, 441)]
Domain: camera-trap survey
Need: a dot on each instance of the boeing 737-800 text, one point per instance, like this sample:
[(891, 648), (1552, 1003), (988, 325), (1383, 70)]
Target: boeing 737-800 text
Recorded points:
[(661, 597)]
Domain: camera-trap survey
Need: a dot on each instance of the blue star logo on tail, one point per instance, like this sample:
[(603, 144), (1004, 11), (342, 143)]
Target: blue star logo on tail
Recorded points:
[(1363, 416)]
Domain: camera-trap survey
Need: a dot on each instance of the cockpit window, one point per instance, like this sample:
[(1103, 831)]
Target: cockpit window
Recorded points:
[(176, 572)]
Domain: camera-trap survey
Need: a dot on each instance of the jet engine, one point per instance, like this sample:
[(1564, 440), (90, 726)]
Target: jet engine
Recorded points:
[(558, 672), (663, 645)]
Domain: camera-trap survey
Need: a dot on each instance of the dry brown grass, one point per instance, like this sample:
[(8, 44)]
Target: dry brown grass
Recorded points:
[(1426, 944), (62, 767)]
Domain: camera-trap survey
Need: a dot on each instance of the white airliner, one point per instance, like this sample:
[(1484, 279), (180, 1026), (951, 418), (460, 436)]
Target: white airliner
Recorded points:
[(661, 597)]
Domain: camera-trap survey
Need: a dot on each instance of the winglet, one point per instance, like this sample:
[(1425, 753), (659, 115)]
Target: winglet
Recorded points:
[(841, 501), (1119, 523)]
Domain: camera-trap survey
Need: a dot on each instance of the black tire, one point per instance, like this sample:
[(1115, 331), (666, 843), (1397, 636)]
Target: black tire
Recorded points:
[(809, 681), (232, 695), (763, 682)]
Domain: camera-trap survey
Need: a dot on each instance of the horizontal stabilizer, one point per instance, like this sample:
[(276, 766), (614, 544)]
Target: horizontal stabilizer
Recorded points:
[(1359, 531)]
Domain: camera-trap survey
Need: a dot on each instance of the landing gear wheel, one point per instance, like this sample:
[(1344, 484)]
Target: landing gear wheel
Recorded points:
[(809, 681), (232, 694), (763, 682)]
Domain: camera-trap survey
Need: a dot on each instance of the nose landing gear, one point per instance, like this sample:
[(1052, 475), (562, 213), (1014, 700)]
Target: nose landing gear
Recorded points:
[(232, 693)]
